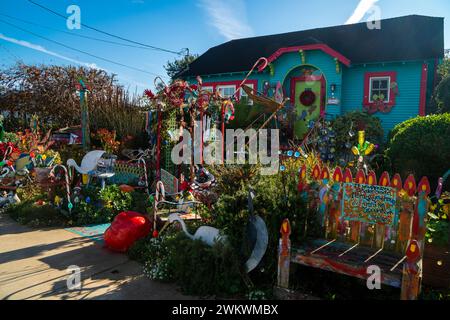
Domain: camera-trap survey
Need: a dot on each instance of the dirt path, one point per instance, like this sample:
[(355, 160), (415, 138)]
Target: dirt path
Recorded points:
[(33, 265)]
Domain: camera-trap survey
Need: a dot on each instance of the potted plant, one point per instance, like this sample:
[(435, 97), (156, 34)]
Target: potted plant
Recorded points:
[(43, 164), (436, 260)]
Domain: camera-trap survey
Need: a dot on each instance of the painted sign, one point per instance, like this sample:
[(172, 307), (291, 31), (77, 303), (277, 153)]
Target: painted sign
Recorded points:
[(169, 181), (368, 203)]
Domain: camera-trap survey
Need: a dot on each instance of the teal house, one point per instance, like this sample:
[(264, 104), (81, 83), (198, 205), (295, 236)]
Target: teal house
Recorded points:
[(388, 71)]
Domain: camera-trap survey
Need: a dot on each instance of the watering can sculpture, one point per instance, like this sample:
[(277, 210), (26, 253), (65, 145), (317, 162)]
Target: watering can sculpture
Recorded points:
[(89, 162), (256, 229), (257, 234)]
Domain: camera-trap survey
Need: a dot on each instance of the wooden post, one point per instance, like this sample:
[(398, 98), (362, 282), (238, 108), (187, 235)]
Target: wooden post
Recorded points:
[(223, 133), (412, 272), (284, 255), (201, 132)]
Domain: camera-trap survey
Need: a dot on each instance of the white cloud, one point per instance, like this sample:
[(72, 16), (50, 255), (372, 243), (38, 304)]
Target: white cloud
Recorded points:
[(362, 8), (228, 17), (42, 49)]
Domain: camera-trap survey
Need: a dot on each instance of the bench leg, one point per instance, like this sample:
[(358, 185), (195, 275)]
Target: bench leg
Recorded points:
[(411, 281), (284, 262)]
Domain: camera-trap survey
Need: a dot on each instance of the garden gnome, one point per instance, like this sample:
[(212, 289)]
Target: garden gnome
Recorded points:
[(2, 130)]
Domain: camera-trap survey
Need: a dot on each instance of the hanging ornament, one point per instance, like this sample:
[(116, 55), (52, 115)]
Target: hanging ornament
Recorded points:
[(271, 69), (338, 65), (229, 110)]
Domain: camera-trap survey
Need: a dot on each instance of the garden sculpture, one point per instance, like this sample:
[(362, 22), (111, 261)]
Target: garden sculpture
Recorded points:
[(363, 149), (206, 234), (67, 184), (82, 90), (8, 198), (2, 130), (257, 234), (89, 162)]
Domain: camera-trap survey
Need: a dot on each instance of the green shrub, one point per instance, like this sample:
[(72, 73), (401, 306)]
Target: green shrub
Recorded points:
[(421, 146), (28, 212), (197, 268), (105, 204), (342, 124)]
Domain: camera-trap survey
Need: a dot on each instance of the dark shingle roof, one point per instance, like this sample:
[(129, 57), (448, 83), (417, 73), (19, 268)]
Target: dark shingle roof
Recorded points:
[(411, 37)]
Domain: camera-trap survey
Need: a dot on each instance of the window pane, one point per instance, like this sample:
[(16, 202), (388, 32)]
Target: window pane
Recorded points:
[(379, 88), (375, 84), (226, 92), (383, 84), (243, 93)]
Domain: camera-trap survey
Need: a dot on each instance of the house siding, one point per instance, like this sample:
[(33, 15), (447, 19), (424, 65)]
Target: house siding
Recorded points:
[(349, 83), (288, 65)]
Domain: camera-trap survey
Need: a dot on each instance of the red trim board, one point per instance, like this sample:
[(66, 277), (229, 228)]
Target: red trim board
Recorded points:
[(214, 85), (310, 78)]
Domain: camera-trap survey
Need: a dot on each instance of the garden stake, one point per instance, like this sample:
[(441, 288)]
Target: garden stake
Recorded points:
[(66, 176), (145, 175)]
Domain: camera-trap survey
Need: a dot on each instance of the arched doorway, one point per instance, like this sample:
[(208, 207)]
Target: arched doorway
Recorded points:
[(307, 88)]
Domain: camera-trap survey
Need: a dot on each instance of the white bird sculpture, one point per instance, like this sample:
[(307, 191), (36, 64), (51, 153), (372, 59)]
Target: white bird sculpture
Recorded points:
[(206, 234), (89, 162)]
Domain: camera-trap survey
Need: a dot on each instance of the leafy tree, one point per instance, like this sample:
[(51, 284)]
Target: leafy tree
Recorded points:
[(421, 146), (173, 68), (441, 96)]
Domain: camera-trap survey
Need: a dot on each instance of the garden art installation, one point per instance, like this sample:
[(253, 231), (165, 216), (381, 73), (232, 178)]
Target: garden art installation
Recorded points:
[(365, 222)]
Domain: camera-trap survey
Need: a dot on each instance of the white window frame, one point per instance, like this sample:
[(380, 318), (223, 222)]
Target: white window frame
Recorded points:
[(388, 78), (229, 86), (208, 88)]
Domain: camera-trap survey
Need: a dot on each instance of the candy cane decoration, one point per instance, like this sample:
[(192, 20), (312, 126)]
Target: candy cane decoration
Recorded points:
[(160, 195), (145, 175), (66, 175), (8, 163), (8, 151)]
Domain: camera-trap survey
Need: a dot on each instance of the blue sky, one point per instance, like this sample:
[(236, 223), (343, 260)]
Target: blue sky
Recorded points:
[(173, 25)]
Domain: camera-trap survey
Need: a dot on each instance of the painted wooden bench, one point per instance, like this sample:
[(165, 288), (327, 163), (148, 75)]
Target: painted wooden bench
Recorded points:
[(366, 223)]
